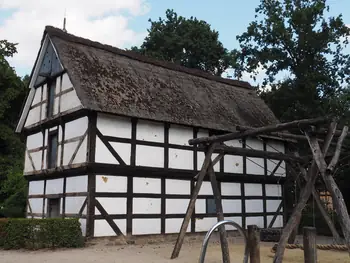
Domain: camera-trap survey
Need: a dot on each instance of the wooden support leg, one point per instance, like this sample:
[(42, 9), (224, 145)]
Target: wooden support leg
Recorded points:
[(322, 209), (219, 214), (304, 197), (254, 244), (192, 203), (337, 197)]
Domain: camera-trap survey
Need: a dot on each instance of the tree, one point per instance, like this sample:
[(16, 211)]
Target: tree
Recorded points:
[(12, 94), (188, 42), (295, 38)]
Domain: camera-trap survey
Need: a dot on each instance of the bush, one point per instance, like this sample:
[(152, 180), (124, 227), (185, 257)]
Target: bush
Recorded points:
[(40, 233)]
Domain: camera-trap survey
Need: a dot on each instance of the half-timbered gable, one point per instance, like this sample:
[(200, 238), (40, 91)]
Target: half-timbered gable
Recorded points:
[(107, 142)]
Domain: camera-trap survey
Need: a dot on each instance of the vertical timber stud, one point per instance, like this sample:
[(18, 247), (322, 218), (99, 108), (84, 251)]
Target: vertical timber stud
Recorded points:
[(264, 186), (242, 185), (309, 242), (254, 244), (192, 202), (219, 214), (92, 127), (130, 179), (61, 164), (195, 168), (166, 166), (44, 200)]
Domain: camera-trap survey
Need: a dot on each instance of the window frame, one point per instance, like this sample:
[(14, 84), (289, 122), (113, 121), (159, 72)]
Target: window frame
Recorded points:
[(208, 209), (48, 212), (49, 149), (51, 93)]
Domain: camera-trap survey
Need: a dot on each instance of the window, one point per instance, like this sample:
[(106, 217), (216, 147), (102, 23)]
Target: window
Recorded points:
[(210, 206), (52, 150), (51, 87), (53, 207)]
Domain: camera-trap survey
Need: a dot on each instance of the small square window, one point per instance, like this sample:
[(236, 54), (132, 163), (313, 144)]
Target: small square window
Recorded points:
[(52, 150), (210, 206)]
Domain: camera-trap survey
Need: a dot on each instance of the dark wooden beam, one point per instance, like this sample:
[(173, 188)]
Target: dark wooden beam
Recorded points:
[(257, 131), (261, 154)]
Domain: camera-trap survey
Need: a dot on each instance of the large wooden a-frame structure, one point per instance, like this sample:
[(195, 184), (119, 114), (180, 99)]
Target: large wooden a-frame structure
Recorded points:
[(309, 166)]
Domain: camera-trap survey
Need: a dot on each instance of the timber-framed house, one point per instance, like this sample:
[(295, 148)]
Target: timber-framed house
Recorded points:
[(107, 135)]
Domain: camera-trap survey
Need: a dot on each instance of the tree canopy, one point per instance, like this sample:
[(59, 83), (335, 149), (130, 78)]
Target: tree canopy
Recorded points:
[(298, 39), (188, 42), (12, 95)]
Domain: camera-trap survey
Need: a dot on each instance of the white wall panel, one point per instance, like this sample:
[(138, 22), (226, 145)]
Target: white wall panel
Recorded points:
[(54, 186), (206, 189), (36, 157), (81, 155), (37, 96), (58, 85), (180, 134), (205, 224), (231, 206), (146, 205), (36, 204), (55, 106), (66, 83), (123, 150), (43, 111), (271, 165), (233, 164), (74, 204), (44, 91), (180, 159), (141, 226), (177, 186), (115, 126), (252, 143), (275, 146), (69, 101), (69, 149), (253, 189), (234, 143), (255, 166), (35, 140), (44, 160), (200, 160), (176, 206), (76, 128), (113, 184), (36, 187), (149, 156), (33, 116), (254, 206), (173, 225), (112, 205), (103, 155), (200, 206), (256, 220), (146, 185), (230, 189), (150, 131), (278, 222), (76, 184), (27, 163), (273, 190), (272, 205), (102, 228)]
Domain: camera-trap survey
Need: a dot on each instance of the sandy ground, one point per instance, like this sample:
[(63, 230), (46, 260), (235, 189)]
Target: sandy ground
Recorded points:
[(155, 253)]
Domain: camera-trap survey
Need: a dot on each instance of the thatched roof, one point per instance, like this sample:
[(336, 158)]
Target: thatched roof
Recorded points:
[(111, 80)]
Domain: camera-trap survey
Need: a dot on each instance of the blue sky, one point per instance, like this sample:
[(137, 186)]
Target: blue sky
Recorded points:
[(128, 21)]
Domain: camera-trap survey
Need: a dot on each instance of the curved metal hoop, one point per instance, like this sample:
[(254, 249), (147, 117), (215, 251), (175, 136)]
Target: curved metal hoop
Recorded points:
[(211, 231)]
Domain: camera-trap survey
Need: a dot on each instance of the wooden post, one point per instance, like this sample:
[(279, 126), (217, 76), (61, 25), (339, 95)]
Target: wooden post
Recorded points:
[(192, 203), (304, 197), (254, 244), (309, 242), (219, 214)]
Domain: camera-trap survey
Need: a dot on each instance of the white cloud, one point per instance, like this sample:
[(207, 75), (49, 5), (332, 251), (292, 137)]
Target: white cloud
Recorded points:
[(105, 21)]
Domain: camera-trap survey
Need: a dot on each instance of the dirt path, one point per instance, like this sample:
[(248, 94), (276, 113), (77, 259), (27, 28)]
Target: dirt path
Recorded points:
[(155, 254)]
